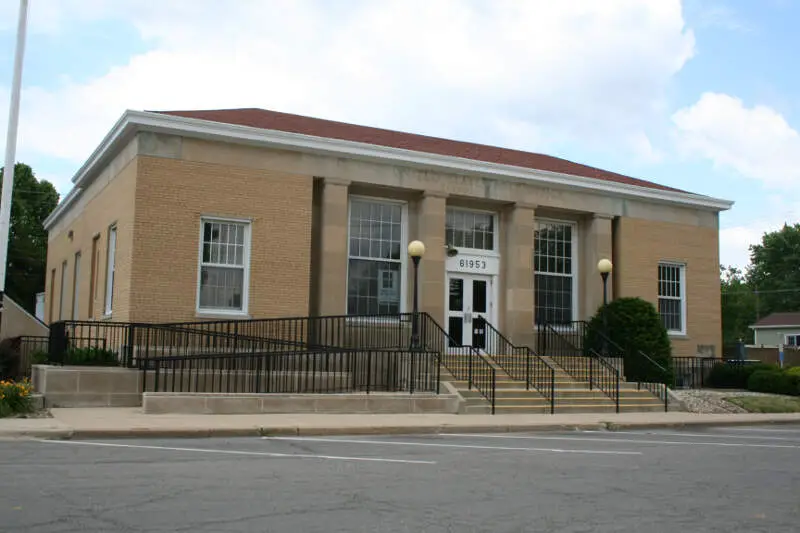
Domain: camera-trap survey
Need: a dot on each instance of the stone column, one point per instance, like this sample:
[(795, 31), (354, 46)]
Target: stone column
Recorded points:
[(332, 266), (431, 218), (597, 245), (517, 271)]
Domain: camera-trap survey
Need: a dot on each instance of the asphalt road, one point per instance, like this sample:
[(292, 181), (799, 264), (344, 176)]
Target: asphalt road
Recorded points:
[(727, 480)]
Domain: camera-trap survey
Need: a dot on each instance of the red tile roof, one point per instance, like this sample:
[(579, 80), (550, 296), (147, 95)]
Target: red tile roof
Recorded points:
[(779, 319), (273, 120)]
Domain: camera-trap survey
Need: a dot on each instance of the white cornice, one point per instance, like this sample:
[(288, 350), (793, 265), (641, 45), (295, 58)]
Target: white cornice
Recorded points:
[(133, 121)]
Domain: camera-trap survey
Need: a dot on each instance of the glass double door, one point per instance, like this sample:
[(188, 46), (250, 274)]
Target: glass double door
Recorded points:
[(468, 309)]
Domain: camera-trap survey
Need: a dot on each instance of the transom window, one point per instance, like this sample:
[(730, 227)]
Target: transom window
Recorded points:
[(554, 272), (224, 266), (374, 257), (469, 229), (671, 296)]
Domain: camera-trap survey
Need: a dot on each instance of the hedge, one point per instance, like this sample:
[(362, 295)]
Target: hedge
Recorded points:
[(775, 382)]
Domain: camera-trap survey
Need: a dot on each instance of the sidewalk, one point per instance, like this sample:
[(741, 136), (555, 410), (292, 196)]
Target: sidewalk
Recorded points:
[(131, 422)]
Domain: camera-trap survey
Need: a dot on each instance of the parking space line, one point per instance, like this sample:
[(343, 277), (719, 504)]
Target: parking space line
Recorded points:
[(237, 452), (716, 435), (462, 446), (622, 441), (765, 430)]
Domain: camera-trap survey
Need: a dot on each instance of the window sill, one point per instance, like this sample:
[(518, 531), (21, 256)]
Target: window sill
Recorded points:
[(106, 316), (222, 315), (677, 335)]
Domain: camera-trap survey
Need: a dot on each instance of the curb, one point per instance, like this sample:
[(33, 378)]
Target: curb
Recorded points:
[(260, 431)]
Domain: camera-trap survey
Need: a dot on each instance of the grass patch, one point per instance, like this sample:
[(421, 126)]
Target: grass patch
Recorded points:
[(767, 404)]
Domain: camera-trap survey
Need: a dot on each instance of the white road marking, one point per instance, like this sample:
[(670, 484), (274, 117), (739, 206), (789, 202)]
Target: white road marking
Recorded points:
[(765, 430), (237, 452), (716, 435), (463, 446), (624, 441)]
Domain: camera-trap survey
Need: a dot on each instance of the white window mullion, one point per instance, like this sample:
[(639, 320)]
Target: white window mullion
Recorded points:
[(376, 263), (672, 296), (224, 265), (110, 268), (555, 266)]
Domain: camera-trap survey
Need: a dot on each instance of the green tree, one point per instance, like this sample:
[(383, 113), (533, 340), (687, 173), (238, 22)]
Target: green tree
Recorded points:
[(775, 270), (738, 306), (32, 201)]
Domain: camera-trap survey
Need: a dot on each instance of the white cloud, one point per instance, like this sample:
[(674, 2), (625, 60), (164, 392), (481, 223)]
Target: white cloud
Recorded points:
[(735, 241), (755, 142), (595, 72)]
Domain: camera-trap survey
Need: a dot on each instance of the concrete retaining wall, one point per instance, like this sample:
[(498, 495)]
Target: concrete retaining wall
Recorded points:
[(203, 403), (87, 386)]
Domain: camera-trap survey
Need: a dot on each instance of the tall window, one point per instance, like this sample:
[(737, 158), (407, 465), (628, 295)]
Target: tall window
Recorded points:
[(554, 270), (110, 262), (76, 281), (224, 264), (375, 258), (93, 269), (62, 291), (469, 229), (52, 293), (671, 296)]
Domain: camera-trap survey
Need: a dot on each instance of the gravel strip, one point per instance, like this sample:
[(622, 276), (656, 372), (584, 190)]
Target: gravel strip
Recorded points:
[(711, 401)]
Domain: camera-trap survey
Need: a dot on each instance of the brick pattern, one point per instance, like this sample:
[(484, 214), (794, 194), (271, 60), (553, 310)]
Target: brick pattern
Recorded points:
[(641, 244), (172, 195), (112, 204)]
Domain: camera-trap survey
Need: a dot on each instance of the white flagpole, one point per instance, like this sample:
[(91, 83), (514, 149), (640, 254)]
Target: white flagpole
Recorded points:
[(11, 147)]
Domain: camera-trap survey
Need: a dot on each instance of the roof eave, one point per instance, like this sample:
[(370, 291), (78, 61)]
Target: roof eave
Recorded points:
[(143, 120)]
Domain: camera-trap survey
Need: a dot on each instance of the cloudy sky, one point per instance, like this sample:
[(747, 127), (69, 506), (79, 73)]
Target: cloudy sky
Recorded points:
[(700, 94)]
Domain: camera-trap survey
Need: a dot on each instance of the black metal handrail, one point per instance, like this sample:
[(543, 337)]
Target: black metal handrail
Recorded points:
[(582, 364), (477, 370), (310, 372), (521, 363)]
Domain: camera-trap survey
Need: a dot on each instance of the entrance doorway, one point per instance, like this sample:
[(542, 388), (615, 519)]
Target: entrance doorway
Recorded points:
[(469, 307)]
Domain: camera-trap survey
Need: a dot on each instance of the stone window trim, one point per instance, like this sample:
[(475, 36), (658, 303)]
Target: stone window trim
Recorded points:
[(573, 271), (402, 261), (672, 296), (242, 265)]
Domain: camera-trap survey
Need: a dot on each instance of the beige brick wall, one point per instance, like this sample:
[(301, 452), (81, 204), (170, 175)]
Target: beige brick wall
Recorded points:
[(110, 201), (172, 195), (640, 245)]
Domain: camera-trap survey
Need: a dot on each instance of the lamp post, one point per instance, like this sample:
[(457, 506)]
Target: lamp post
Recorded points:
[(604, 266), (416, 249)]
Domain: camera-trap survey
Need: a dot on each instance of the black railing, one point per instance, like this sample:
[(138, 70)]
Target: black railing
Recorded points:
[(32, 349), (310, 372), (464, 363), (521, 363), (137, 344), (582, 364), (660, 379)]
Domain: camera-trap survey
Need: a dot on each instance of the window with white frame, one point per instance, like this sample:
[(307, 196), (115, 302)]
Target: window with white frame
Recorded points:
[(793, 340), (375, 257), (555, 265), (671, 285), (469, 229), (224, 266), (61, 298), (110, 267), (76, 284)]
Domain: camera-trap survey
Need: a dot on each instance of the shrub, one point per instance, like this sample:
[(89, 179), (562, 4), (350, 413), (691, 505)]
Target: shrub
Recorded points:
[(734, 375), (91, 356), (774, 381), (794, 371), (634, 325), (10, 358), (15, 397)]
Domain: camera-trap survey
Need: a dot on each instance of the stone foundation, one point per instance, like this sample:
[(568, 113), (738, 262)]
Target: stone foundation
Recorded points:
[(357, 403), (87, 386)]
